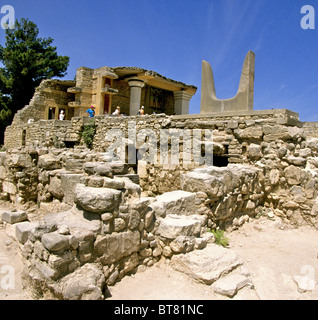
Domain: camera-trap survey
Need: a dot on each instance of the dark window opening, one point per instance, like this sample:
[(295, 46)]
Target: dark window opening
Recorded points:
[(219, 161), (51, 114), (70, 144), (23, 138)]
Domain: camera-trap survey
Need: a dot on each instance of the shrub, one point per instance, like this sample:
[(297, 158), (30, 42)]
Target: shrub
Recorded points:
[(88, 134), (220, 239)]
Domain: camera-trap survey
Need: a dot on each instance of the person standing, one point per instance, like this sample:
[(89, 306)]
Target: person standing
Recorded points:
[(61, 115), (91, 112)]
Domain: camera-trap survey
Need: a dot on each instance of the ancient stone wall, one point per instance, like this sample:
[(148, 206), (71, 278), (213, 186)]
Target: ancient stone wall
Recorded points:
[(50, 93), (311, 129), (102, 221), (272, 140)]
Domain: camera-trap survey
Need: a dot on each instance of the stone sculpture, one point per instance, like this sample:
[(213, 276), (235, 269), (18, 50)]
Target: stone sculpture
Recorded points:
[(243, 100)]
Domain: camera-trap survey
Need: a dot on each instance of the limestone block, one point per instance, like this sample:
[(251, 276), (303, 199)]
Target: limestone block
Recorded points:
[(46, 271), (232, 124), (99, 168), (23, 229), (9, 187), (314, 211), (3, 172), (313, 144), (68, 184), (14, 216), (177, 202), (77, 222), (16, 160), (49, 162), (99, 200), (118, 167), (297, 161), (113, 184), (174, 225), (131, 262), (183, 244), (134, 219), (74, 164), (294, 175), (206, 265), (280, 132), (55, 242), (304, 153), (142, 169), (230, 285), (274, 176), (55, 188), (131, 187), (95, 182), (115, 246), (249, 133), (254, 151), (86, 283)]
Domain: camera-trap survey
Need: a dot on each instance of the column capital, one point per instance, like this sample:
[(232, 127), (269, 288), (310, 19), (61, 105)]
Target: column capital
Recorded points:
[(182, 95), (135, 82)]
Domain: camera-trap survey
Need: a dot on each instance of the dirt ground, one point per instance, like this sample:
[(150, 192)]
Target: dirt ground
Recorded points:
[(272, 252)]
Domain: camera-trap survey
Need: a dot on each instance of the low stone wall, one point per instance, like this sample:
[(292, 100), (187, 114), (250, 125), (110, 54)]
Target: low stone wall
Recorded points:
[(103, 227), (109, 230), (311, 129)]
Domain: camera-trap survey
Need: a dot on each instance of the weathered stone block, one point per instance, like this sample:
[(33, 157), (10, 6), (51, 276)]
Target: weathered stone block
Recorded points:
[(206, 265), (23, 229), (100, 168), (68, 184), (49, 162), (86, 283), (55, 242), (115, 246), (14, 216), (177, 202), (99, 200), (173, 226), (230, 285)]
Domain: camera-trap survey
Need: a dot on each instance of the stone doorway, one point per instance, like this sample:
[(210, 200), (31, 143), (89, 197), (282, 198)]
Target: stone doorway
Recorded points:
[(107, 104), (51, 114)]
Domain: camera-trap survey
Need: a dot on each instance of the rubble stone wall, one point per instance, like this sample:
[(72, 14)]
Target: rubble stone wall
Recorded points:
[(98, 220), (311, 129)]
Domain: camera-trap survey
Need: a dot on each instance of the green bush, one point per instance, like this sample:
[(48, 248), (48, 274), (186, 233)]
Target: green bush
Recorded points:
[(88, 134), (220, 239)]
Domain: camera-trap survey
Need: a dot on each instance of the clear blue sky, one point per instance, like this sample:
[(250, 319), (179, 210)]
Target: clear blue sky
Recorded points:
[(172, 37)]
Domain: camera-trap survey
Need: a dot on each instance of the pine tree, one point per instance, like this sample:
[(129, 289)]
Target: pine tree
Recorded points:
[(27, 59)]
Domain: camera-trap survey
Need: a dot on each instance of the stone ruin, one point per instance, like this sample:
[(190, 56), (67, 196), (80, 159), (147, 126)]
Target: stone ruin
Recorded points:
[(83, 222)]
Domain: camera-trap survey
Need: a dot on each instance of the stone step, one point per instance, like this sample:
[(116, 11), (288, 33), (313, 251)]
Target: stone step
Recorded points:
[(14, 216), (175, 202), (207, 265), (173, 226)]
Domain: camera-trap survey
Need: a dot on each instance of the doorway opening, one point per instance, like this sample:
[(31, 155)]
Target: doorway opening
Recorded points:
[(107, 104), (51, 114)]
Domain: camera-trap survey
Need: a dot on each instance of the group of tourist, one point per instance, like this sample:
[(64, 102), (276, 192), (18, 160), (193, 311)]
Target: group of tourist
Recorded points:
[(91, 111)]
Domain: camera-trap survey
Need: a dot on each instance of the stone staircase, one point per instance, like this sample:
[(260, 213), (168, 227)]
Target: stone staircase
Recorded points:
[(194, 252)]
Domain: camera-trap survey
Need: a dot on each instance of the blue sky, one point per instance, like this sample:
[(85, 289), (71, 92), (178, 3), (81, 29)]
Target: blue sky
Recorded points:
[(172, 37)]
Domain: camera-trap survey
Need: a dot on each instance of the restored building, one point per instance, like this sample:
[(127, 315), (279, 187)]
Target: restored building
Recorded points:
[(130, 88)]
